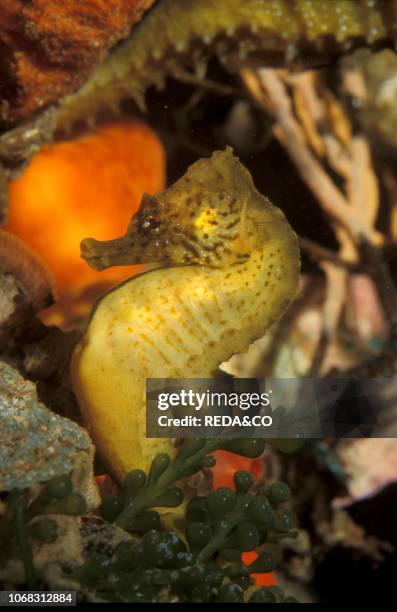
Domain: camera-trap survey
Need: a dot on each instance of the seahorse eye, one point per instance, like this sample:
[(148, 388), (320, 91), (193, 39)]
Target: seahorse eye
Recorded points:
[(150, 223)]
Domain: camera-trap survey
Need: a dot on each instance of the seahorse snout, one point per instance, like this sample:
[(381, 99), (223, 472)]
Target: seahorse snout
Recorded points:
[(103, 254)]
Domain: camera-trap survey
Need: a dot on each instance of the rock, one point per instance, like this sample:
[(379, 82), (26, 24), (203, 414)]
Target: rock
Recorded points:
[(11, 298), (36, 444), (48, 49), (26, 287), (19, 145)]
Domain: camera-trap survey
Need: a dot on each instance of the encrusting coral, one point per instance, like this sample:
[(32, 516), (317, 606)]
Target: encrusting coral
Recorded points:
[(48, 49)]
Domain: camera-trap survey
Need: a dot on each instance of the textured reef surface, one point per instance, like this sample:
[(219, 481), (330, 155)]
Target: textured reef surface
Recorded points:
[(48, 48), (35, 443)]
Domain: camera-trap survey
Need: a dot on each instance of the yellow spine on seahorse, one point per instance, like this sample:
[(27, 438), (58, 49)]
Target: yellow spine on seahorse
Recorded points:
[(231, 269)]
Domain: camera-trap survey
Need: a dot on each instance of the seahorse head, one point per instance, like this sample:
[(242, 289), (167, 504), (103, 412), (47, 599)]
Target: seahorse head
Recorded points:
[(209, 217)]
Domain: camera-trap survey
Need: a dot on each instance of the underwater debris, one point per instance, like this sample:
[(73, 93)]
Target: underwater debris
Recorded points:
[(370, 464), (314, 129), (48, 49), (370, 88), (316, 132), (40, 352), (30, 272), (343, 531), (18, 145), (36, 444), (26, 286), (180, 35), (371, 84)]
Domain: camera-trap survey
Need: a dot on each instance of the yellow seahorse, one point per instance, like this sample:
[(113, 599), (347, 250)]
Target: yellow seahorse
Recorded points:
[(231, 269)]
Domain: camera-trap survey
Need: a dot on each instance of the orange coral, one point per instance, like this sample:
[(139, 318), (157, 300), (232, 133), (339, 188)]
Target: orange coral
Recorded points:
[(89, 186)]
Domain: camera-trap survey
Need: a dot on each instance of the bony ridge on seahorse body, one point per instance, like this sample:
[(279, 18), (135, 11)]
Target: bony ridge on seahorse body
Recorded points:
[(231, 269)]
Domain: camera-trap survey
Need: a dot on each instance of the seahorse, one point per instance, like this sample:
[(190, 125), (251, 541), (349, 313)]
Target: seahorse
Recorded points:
[(229, 268), (178, 35)]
